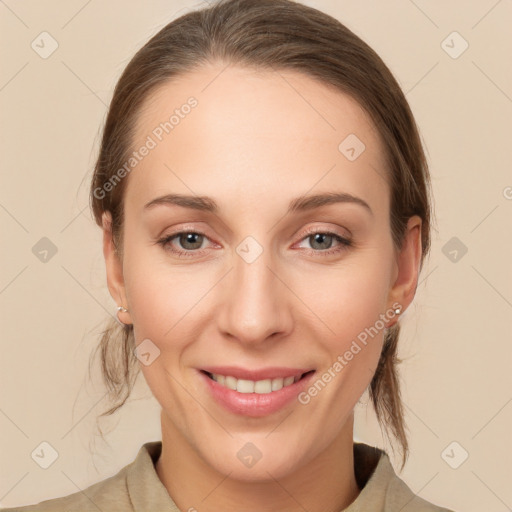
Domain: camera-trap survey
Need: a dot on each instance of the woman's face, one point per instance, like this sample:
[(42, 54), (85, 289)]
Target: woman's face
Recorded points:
[(251, 287)]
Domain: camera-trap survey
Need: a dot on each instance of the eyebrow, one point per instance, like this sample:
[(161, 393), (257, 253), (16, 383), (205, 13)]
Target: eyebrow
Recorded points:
[(299, 204)]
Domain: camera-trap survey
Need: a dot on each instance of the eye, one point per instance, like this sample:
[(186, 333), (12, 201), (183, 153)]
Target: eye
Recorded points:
[(321, 239), (189, 240)]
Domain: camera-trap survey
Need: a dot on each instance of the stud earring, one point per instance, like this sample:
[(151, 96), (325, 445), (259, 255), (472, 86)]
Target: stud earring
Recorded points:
[(124, 310), (396, 311)]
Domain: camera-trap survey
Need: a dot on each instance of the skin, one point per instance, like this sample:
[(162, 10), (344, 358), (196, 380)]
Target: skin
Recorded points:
[(253, 143)]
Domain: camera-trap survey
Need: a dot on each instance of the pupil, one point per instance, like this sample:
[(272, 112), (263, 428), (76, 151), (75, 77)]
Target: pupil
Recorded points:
[(189, 238), (322, 237)]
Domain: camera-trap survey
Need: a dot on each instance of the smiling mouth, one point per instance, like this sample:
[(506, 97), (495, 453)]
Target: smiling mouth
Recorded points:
[(264, 386)]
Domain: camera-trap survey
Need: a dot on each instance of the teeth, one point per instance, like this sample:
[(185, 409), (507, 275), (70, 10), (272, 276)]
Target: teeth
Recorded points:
[(251, 386)]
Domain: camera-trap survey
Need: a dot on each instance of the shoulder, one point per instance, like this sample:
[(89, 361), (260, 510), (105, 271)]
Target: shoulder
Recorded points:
[(382, 489), (400, 497), (135, 487), (109, 494)]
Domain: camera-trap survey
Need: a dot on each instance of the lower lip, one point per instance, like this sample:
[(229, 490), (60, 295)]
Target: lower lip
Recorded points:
[(255, 404)]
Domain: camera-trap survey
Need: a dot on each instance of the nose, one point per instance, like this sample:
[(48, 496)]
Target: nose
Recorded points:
[(256, 307)]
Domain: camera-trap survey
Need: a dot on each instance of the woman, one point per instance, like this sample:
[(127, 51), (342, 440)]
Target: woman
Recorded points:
[(264, 200)]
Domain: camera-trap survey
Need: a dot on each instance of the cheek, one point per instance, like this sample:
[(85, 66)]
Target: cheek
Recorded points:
[(163, 302), (170, 305), (159, 295), (346, 299), (350, 302)]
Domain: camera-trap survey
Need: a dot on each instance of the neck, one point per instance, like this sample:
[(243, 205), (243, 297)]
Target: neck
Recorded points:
[(325, 484)]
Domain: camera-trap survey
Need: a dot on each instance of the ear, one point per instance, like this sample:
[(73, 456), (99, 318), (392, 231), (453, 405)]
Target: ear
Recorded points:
[(407, 267), (114, 268)]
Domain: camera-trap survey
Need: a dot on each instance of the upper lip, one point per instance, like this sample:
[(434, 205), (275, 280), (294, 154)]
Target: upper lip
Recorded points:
[(272, 372)]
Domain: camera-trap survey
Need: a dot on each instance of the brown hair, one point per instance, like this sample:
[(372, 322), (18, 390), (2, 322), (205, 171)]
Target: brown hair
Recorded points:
[(267, 34)]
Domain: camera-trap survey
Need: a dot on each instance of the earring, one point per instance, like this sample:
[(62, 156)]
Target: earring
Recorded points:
[(397, 311), (124, 310)]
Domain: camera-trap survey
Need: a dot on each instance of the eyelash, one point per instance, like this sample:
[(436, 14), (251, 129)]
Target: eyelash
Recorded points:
[(344, 243)]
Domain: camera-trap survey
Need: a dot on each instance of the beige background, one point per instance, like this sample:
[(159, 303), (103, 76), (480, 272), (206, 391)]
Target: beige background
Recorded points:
[(457, 333)]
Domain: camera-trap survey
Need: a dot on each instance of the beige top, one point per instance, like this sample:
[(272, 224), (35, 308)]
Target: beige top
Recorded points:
[(137, 488)]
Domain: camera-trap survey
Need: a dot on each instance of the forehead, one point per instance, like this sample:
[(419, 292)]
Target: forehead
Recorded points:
[(224, 129)]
